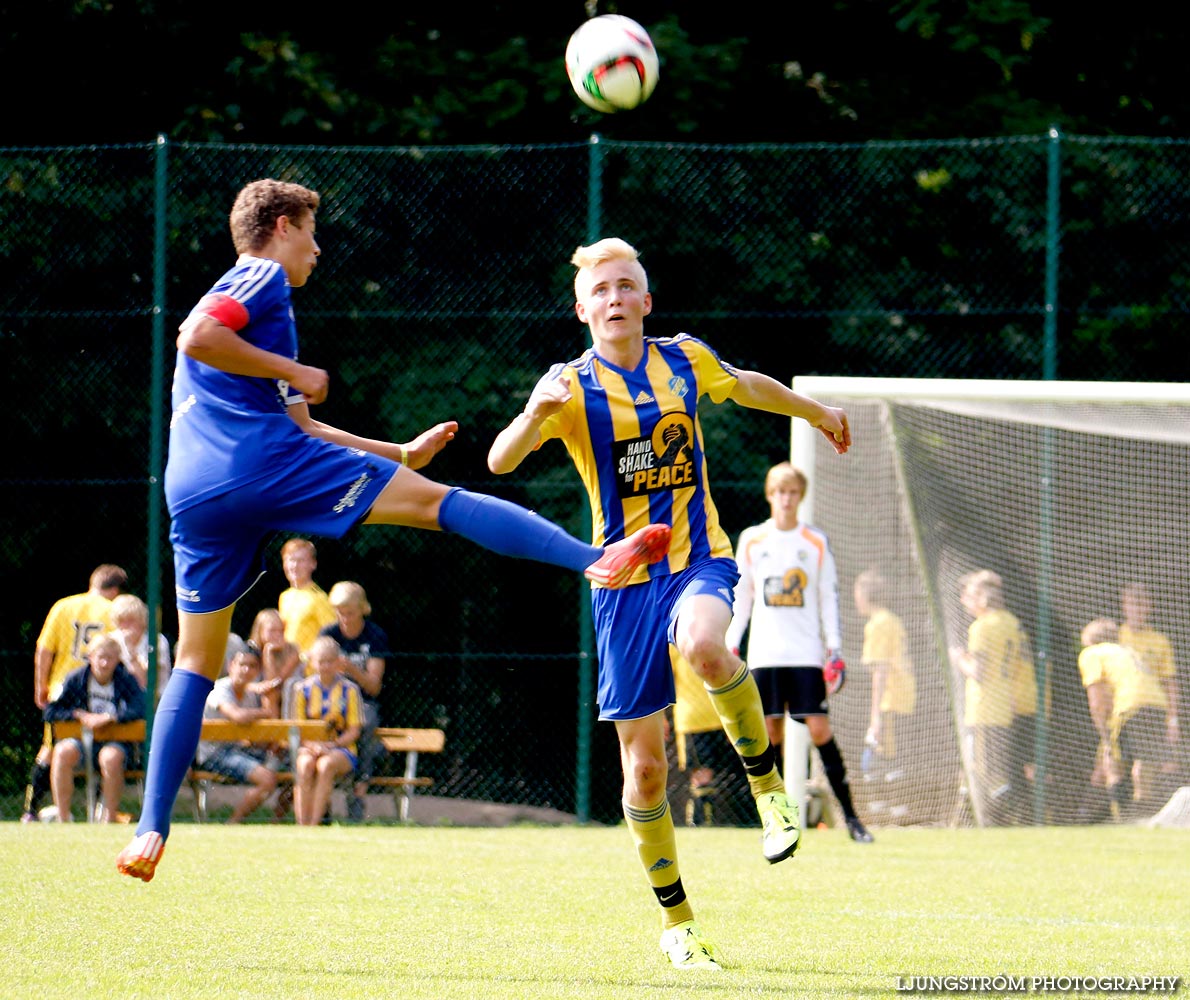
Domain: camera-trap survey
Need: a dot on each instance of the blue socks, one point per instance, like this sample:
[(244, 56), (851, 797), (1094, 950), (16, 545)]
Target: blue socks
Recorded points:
[(177, 726), (511, 530)]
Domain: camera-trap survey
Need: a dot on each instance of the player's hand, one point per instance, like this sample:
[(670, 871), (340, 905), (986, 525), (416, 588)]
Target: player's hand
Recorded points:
[(313, 383), (548, 398), (422, 449), (836, 428), (834, 671)]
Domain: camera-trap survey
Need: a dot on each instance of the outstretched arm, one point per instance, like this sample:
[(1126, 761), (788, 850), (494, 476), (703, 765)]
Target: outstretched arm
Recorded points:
[(523, 435), (761, 392), (415, 454)]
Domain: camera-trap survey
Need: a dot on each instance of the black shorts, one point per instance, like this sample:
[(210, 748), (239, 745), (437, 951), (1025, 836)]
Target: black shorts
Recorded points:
[(800, 691)]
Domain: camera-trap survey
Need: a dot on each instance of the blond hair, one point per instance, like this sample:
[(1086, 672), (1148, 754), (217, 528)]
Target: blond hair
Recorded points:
[(784, 472), (324, 645), (1100, 630), (600, 252), (985, 586), (102, 640), (297, 544), (871, 586), (350, 592), (262, 616), (127, 607)]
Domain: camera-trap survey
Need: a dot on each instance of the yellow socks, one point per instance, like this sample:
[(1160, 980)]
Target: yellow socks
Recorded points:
[(742, 715), (656, 845)]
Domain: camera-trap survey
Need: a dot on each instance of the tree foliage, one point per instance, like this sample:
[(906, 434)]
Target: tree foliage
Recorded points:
[(403, 74)]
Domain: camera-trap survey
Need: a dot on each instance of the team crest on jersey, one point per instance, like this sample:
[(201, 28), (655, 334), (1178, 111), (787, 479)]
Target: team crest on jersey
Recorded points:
[(678, 386), (788, 591), (662, 461)]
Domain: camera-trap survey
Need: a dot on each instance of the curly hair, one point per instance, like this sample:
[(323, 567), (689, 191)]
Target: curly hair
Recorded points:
[(258, 206)]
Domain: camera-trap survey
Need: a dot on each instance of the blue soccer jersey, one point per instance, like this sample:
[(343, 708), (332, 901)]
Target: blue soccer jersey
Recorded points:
[(223, 424), (637, 443), (239, 466)]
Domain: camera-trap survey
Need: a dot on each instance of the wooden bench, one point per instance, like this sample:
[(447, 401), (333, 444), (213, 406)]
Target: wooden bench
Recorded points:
[(291, 731), (410, 742)]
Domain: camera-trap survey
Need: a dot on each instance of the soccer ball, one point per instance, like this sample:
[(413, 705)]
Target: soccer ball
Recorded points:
[(611, 63)]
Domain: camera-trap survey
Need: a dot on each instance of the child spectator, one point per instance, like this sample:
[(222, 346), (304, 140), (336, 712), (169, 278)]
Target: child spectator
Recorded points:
[(304, 606), (325, 694), (364, 645), (237, 698), (280, 659), (103, 691), (130, 628), (70, 624), (893, 689), (1128, 709)]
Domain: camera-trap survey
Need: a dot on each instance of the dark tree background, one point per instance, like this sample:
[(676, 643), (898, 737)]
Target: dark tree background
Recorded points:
[(104, 71)]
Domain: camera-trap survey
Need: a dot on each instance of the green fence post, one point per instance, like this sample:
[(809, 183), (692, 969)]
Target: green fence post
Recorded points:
[(157, 417), (587, 657), (1053, 217)]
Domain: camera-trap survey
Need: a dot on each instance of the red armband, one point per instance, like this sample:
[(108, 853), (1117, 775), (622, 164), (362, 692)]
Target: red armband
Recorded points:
[(224, 309)]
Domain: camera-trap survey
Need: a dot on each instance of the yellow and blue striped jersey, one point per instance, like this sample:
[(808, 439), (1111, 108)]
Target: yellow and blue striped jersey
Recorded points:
[(339, 704), (637, 443)]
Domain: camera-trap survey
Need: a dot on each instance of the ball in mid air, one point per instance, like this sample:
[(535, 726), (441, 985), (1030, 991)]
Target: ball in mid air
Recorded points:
[(611, 63)]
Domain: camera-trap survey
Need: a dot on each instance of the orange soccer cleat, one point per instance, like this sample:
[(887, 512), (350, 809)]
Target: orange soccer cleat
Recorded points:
[(139, 859), (621, 559)]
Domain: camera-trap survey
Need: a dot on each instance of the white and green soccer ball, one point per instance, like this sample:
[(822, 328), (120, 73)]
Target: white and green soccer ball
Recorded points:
[(611, 63)]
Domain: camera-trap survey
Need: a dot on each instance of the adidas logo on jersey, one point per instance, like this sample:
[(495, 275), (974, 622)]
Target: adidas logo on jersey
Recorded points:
[(643, 397)]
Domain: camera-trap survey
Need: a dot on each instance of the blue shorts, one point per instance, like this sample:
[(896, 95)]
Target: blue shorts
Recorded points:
[(218, 542), (233, 762), (634, 629)]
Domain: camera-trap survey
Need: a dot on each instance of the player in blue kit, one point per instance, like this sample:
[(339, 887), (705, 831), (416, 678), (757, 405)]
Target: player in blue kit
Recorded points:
[(247, 459), (627, 412)]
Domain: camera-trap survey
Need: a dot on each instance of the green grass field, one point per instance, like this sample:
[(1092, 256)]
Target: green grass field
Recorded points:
[(268, 912)]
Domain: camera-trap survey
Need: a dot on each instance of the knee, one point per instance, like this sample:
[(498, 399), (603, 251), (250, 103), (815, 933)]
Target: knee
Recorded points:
[(648, 775), (702, 649), (264, 778), (65, 755)]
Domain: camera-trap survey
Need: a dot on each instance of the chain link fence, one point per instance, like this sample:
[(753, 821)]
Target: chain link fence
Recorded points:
[(444, 291)]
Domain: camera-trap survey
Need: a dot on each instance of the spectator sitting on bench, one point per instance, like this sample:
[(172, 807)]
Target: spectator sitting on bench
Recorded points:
[(325, 694), (237, 698), (279, 658), (364, 645), (101, 692)]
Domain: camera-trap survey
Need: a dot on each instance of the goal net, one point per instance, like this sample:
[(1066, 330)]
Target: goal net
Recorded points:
[(1069, 491)]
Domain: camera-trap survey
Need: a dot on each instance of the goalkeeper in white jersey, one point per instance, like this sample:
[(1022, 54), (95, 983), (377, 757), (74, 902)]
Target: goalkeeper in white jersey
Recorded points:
[(787, 600)]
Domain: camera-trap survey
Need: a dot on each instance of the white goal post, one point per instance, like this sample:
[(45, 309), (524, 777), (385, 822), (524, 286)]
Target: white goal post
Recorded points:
[(1069, 491)]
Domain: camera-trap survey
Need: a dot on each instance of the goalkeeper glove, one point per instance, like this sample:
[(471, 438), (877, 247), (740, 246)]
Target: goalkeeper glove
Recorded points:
[(834, 671)]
